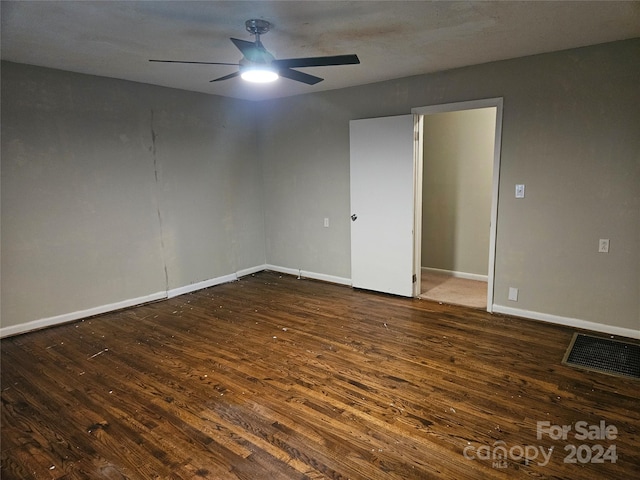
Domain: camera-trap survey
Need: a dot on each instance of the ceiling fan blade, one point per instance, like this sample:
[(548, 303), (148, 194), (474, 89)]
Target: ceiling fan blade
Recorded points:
[(244, 46), (201, 63), (299, 76), (317, 61), (226, 77), (253, 51)]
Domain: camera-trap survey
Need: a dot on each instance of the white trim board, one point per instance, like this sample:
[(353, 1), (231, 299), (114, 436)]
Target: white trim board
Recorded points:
[(568, 321), (451, 273), (306, 274), (212, 282), (80, 314), (174, 292), (132, 302), (250, 271), (457, 106)]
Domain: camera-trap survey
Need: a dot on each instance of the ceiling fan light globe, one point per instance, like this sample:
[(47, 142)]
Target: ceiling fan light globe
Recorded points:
[(259, 75)]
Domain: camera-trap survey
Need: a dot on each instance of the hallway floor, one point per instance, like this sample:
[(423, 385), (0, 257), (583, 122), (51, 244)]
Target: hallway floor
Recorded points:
[(440, 287)]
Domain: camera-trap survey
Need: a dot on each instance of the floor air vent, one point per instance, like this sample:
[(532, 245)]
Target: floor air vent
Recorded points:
[(603, 355)]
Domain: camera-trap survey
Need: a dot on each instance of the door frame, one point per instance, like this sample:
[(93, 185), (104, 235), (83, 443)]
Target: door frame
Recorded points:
[(419, 113)]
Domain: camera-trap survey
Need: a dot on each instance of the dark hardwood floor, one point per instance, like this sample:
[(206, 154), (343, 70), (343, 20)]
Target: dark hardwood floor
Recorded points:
[(272, 377)]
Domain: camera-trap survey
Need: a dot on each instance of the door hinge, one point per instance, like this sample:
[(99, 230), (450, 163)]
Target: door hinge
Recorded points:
[(414, 278)]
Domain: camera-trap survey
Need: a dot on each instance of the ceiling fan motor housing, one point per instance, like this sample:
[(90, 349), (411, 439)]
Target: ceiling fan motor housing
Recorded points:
[(257, 26)]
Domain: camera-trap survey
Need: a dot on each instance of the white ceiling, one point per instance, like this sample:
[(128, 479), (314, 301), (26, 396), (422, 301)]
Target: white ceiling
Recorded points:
[(393, 39)]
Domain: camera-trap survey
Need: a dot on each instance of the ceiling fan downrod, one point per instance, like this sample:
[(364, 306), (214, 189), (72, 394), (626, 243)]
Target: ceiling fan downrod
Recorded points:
[(257, 27)]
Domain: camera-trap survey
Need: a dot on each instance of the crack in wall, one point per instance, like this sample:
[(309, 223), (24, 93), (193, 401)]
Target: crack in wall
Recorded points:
[(153, 150)]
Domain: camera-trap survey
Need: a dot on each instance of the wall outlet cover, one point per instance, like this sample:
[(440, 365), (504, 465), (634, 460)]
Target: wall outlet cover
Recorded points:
[(603, 245)]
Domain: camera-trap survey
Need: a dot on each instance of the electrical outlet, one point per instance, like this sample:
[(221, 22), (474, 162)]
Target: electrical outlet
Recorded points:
[(513, 294), (326, 222), (603, 245)]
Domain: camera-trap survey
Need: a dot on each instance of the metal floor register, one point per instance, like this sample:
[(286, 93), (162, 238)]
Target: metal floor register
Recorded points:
[(604, 355)]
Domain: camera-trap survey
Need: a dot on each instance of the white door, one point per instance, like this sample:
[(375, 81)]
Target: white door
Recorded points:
[(382, 204)]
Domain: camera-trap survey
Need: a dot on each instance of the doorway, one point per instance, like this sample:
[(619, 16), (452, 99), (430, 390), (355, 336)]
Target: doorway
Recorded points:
[(456, 186)]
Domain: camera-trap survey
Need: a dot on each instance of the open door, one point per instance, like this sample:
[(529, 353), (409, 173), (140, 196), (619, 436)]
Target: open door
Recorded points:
[(382, 204)]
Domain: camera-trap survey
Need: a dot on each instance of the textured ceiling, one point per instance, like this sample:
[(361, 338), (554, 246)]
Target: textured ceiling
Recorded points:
[(393, 39)]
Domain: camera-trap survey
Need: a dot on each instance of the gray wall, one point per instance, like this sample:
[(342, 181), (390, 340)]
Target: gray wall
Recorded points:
[(106, 184), (305, 152), (570, 133), (80, 202), (458, 157)]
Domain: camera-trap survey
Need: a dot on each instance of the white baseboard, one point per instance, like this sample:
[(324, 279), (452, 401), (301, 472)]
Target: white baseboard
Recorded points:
[(174, 292), (70, 317), (568, 321), (306, 274), (451, 273), (286, 270), (326, 278), (80, 314), (232, 277), (250, 271)]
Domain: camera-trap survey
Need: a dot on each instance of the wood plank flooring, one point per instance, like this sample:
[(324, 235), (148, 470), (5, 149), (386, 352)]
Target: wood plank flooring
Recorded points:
[(272, 377)]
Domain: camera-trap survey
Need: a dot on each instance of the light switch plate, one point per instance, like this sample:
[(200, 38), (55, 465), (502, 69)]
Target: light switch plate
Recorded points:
[(520, 191)]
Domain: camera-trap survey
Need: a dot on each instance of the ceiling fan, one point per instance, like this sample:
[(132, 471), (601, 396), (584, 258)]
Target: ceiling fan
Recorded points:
[(258, 65)]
